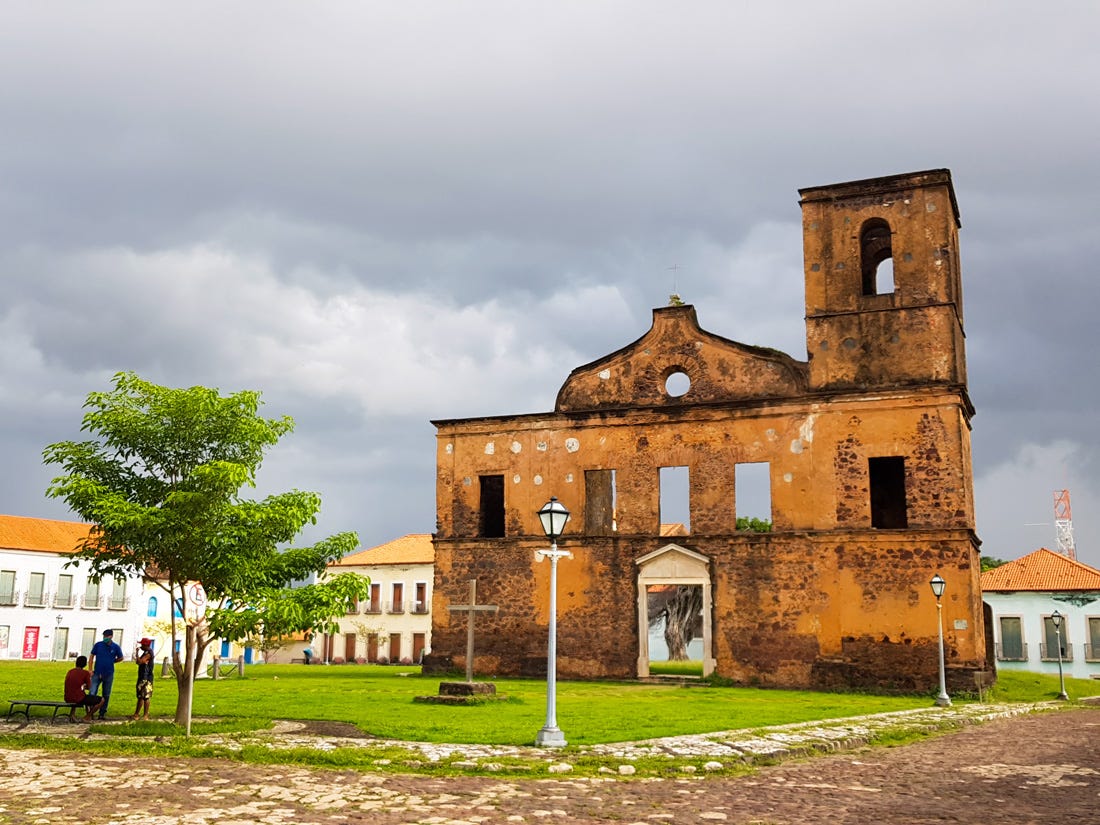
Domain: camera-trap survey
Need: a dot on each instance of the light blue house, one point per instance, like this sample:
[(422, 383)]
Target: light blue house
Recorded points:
[(1029, 597)]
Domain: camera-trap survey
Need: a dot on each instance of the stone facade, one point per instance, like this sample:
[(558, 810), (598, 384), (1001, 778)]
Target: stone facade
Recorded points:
[(867, 451)]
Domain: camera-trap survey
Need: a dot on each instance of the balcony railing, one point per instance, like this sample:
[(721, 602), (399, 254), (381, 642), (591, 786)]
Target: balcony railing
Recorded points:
[(91, 602), (420, 608), (1092, 653), (353, 610), (1049, 653), (64, 601), (395, 607), (373, 607), (1012, 653), (119, 603), (8, 598), (35, 599)]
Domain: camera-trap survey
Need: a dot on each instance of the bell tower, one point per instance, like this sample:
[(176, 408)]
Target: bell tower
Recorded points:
[(883, 292)]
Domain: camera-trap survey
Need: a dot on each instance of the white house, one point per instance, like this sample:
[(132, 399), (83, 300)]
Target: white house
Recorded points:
[(395, 623), (52, 611), (1024, 595)]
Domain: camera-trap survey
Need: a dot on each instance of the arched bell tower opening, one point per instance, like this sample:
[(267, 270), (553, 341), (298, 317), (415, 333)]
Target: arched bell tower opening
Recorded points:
[(876, 257)]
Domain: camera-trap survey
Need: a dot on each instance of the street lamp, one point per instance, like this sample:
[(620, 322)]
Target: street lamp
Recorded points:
[(1056, 620), (553, 516), (56, 634), (937, 584)]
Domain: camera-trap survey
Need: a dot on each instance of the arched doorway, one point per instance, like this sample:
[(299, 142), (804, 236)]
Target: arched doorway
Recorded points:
[(673, 565)]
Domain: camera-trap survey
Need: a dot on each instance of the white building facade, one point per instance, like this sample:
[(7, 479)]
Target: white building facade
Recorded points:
[(1024, 596), (395, 624), (52, 611)]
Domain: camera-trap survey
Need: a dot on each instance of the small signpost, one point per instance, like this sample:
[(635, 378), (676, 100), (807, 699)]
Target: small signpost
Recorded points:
[(462, 692)]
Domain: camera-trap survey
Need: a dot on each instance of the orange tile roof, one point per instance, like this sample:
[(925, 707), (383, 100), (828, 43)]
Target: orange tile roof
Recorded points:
[(46, 535), (415, 548), (1042, 570)]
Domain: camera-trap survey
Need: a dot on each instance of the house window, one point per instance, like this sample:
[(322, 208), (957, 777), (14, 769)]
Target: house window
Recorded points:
[(395, 648), (492, 506), (64, 597), (375, 605), (1092, 649), (7, 587), (177, 607), (151, 609), (675, 489), (420, 604), (1053, 641), (889, 509), (118, 596), (87, 639), (36, 590), (5, 632), (418, 647), (876, 257), (117, 636), (91, 595), (1011, 648), (599, 502), (397, 603)]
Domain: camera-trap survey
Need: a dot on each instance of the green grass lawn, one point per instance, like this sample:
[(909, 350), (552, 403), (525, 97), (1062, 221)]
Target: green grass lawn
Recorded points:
[(378, 700)]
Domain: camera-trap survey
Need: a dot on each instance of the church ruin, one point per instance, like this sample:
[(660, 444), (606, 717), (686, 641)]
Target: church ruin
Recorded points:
[(865, 447)]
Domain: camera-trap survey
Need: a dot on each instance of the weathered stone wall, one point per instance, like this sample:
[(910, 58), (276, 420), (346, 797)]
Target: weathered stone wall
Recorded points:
[(824, 599)]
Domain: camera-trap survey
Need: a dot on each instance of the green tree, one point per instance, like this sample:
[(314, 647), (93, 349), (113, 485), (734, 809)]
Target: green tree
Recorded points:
[(989, 562), (161, 479)]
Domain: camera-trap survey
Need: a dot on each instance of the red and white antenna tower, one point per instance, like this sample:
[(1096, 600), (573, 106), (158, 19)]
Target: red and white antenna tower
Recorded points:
[(1063, 524)]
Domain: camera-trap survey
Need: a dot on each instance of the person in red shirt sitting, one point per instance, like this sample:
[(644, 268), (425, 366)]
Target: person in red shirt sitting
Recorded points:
[(77, 683)]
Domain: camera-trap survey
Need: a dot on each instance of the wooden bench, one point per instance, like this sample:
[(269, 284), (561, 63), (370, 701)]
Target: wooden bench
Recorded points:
[(23, 707)]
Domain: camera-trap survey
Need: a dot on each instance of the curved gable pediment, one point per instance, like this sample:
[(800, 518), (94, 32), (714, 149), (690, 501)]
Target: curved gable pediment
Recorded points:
[(718, 369)]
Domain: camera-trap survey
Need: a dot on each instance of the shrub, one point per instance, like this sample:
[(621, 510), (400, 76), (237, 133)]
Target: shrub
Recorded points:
[(360, 660), (405, 660), (382, 660), (337, 660)]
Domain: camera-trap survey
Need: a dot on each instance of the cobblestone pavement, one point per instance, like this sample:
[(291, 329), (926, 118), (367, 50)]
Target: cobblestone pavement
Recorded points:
[(1014, 768)]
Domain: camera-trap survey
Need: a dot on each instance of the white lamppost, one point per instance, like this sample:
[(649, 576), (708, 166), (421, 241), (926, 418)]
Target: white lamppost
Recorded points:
[(56, 635), (937, 584), (553, 516), (1056, 620)]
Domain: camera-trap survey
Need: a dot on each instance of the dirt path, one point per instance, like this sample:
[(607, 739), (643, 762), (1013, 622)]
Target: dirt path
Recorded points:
[(1042, 768)]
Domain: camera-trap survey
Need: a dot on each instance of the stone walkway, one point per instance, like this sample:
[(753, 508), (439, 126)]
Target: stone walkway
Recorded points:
[(1018, 768)]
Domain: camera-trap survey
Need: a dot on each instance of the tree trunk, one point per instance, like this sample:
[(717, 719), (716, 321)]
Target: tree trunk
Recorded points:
[(681, 617)]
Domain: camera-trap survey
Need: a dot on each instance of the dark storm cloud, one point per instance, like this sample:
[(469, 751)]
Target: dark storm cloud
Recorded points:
[(384, 215)]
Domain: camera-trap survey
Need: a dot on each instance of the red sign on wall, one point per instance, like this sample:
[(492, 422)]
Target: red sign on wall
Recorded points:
[(30, 643)]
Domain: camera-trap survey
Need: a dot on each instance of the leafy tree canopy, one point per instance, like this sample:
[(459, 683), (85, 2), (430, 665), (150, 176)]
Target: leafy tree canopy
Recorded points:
[(160, 478)]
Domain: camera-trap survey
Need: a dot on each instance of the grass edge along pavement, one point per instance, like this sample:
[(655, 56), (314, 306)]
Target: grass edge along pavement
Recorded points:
[(723, 753)]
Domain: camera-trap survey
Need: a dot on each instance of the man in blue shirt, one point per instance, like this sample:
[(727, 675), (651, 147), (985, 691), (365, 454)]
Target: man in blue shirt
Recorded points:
[(105, 653)]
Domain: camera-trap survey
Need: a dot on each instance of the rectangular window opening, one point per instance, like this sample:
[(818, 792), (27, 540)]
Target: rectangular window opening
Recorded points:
[(1012, 640), (36, 592), (1092, 650), (64, 597), (397, 604), (675, 514), (420, 603), (599, 503), (7, 587), (889, 508), (752, 496), (375, 605), (492, 506), (1055, 641)]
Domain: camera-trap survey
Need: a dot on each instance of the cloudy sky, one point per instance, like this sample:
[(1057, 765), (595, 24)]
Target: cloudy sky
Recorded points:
[(380, 214)]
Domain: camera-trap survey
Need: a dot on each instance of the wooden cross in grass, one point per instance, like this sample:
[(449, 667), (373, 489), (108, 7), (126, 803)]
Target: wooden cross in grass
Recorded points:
[(470, 609)]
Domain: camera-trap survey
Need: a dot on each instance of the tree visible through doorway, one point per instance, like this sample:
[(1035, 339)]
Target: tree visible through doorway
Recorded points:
[(679, 608)]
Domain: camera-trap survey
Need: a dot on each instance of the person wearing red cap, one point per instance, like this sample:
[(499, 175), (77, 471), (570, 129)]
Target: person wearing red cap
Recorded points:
[(144, 678)]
